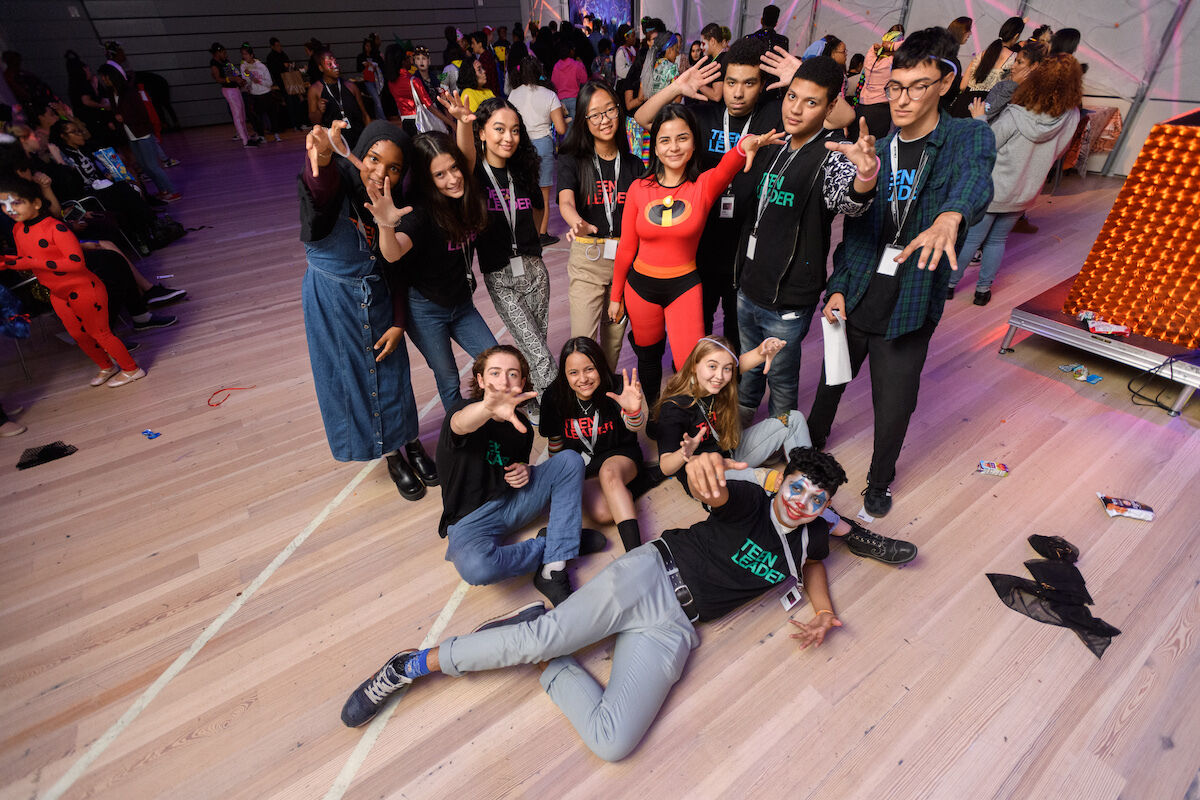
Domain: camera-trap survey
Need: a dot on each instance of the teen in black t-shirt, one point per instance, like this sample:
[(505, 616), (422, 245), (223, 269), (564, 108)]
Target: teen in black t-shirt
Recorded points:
[(498, 148), (436, 240), (593, 412), (489, 490), (595, 169)]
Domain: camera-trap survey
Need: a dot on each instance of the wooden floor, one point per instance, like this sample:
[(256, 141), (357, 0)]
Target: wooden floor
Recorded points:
[(143, 655)]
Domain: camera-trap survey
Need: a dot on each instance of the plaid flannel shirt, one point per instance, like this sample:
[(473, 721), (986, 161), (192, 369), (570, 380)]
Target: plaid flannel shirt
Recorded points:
[(961, 153)]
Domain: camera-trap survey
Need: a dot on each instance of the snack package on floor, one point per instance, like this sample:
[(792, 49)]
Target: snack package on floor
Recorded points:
[(1081, 374), (1119, 507), (1070, 367), (992, 468), (1107, 328)]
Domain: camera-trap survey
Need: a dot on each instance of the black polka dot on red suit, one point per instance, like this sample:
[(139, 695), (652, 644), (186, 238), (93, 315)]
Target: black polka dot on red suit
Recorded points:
[(58, 272), (43, 243), (74, 257), (98, 306), (74, 295), (51, 264), (60, 227)]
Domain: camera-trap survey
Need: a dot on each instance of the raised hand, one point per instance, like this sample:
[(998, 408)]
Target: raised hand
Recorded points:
[(813, 632), (934, 242), (769, 348), (861, 153), (706, 474), (502, 404), (321, 143), (700, 74), (382, 207), (978, 108), (688, 444), (750, 144), (455, 107), (780, 63), (630, 398)]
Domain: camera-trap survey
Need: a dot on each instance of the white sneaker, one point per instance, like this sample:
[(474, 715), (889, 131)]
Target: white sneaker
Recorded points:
[(103, 375), (12, 428), (127, 377)]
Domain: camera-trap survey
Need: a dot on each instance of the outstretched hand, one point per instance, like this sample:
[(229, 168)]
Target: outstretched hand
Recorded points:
[(750, 144), (813, 632), (700, 74), (321, 143), (706, 474), (502, 404), (688, 444), (382, 207), (455, 107), (935, 241), (861, 152), (630, 398), (783, 65), (581, 228), (769, 348)]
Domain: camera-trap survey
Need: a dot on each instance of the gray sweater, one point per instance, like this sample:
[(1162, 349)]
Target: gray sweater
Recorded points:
[(1027, 145)]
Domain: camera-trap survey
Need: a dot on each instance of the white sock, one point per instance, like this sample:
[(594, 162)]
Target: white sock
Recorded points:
[(553, 566)]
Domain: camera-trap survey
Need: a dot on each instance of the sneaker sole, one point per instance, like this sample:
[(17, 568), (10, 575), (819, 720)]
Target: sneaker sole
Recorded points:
[(508, 616)]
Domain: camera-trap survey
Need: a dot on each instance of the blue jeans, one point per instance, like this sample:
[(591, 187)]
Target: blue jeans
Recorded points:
[(545, 149), (474, 546), (146, 153), (431, 328), (990, 235), (376, 108), (757, 323)]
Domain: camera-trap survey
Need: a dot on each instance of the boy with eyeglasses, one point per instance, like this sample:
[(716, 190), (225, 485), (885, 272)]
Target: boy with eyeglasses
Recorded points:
[(651, 598), (892, 269)]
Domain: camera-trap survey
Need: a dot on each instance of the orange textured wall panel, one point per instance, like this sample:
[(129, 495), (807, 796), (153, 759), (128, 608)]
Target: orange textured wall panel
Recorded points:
[(1144, 268)]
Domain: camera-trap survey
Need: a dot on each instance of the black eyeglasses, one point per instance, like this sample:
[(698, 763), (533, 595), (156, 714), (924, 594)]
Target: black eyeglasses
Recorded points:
[(916, 91), (597, 117)]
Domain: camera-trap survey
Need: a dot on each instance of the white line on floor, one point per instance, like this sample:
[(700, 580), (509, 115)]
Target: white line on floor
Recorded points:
[(97, 748), (363, 748)]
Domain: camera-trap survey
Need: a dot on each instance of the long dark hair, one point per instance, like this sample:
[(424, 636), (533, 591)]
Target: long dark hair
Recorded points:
[(560, 393), (831, 44), (460, 218), (579, 141), (1064, 40), (691, 170), (467, 79), (1010, 30), (525, 163)]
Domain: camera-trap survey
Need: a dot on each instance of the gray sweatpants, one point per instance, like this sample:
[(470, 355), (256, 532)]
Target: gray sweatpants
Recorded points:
[(631, 597), (763, 440)]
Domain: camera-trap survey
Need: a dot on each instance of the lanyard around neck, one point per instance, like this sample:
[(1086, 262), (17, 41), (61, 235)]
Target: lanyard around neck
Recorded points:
[(509, 211), (898, 218), (610, 204), (764, 193), (745, 128), (337, 99)]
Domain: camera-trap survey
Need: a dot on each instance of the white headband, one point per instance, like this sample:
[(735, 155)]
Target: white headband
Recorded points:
[(718, 344)]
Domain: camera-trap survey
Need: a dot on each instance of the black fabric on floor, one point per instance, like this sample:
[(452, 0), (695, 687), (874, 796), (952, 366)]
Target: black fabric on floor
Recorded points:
[(1057, 595), (47, 452)]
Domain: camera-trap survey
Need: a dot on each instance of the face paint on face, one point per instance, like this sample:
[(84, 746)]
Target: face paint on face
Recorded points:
[(18, 208), (800, 501), (9, 203)]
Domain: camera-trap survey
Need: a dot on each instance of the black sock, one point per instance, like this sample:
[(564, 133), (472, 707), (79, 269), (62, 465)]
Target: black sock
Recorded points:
[(631, 534)]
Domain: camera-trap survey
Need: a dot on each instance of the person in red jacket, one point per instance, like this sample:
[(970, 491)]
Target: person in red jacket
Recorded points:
[(664, 215), (47, 247)]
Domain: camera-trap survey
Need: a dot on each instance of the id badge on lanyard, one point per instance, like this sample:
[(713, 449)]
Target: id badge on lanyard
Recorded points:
[(589, 444), (516, 263), (888, 265), (610, 203), (765, 196), (726, 207), (792, 597)]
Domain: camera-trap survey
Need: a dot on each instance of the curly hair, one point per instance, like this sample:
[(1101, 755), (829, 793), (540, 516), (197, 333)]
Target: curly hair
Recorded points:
[(683, 385), (747, 51), (481, 364), (821, 468), (525, 162), (1053, 88)]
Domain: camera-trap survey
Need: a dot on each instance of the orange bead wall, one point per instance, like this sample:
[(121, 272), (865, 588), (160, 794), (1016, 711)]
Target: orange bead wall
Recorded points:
[(1144, 268)]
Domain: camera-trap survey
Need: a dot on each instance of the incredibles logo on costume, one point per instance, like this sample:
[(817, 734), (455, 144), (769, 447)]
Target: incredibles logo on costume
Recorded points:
[(668, 211)]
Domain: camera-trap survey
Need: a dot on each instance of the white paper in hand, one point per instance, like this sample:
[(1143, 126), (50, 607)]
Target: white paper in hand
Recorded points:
[(837, 352)]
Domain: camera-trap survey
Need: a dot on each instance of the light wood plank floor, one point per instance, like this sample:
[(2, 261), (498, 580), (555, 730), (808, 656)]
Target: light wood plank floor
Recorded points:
[(115, 561)]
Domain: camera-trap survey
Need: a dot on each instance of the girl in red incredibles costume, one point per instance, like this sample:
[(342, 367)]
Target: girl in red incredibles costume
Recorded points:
[(51, 251), (660, 229)]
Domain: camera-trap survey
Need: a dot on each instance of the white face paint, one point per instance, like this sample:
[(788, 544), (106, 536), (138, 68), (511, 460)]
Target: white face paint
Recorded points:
[(9, 202)]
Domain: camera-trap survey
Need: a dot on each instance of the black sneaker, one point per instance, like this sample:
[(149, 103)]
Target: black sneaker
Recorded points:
[(522, 614), (983, 298), (590, 541), (865, 544), (365, 702), (556, 588), (950, 293), (547, 239), (155, 321), (158, 294), (877, 500)]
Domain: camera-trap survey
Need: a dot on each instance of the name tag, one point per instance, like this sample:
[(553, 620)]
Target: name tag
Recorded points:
[(610, 248), (516, 265), (792, 597), (888, 263), (726, 206), (751, 246), (791, 315)]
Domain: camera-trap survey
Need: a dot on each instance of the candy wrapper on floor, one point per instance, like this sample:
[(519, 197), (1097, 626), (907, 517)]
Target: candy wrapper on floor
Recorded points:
[(993, 468), (1119, 507)]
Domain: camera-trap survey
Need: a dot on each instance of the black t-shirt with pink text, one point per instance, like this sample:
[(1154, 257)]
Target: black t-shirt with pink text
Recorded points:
[(495, 244), (589, 201), (435, 267)]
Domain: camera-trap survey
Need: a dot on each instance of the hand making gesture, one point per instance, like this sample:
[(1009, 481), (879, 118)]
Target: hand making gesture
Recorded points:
[(706, 474), (630, 398), (455, 107), (750, 144), (699, 75), (783, 65), (382, 207), (501, 404), (862, 155), (937, 240), (321, 143), (813, 632), (581, 228)]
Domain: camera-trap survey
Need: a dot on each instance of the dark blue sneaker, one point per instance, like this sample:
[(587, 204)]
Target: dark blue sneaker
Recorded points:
[(369, 697), (522, 614)]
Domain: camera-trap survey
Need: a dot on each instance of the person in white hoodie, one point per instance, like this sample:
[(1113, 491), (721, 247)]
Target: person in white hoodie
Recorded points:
[(1032, 131)]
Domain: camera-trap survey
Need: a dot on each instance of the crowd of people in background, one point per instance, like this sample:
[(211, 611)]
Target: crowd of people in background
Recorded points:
[(692, 176)]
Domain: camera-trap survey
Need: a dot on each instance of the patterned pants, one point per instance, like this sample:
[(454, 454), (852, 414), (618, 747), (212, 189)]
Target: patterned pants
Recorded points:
[(524, 305)]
